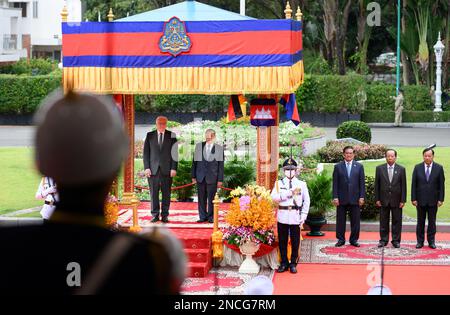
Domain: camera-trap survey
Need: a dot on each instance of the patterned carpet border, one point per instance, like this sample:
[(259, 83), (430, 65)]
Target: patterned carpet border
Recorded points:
[(222, 281), (323, 252), (177, 219)]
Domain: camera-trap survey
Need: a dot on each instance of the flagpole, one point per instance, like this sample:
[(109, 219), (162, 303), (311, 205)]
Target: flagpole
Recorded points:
[(398, 45)]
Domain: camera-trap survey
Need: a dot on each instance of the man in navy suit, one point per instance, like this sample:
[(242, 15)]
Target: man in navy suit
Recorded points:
[(207, 172), (348, 195), (427, 195)]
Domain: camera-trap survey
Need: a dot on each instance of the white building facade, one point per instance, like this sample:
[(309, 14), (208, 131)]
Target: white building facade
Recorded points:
[(32, 28)]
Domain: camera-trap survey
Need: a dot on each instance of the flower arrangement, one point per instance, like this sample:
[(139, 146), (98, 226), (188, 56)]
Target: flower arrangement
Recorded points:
[(111, 210), (251, 216)]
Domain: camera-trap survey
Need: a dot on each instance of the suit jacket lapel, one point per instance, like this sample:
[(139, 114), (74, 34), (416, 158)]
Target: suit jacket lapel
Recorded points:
[(344, 165), (395, 175), (165, 139), (385, 172)]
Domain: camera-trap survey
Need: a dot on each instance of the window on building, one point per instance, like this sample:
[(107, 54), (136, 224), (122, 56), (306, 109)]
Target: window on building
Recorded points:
[(23, 6), (35, 9)]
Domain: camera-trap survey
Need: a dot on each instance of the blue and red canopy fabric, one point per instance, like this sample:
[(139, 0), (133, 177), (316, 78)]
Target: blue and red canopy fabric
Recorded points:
[(225, 57)]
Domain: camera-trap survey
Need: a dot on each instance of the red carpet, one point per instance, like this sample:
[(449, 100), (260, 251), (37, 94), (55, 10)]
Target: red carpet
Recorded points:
[(181, 215), (334, 279), (197, 246)]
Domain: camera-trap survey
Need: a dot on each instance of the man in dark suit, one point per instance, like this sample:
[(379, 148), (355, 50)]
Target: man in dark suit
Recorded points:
[(75, 252), (207, 172), (390, 196), (427, 194), (349, 192), (160, 164)]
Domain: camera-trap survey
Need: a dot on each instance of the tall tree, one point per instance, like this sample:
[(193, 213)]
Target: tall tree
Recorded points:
[(336, 13)]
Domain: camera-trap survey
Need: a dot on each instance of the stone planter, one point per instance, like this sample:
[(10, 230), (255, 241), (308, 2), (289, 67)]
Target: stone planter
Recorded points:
[(315, 224), (248, 249)]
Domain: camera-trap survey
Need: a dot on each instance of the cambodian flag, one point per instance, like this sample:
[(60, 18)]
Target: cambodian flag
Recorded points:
[(289, 102)]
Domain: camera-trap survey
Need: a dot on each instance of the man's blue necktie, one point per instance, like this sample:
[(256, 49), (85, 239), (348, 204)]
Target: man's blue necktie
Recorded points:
[(427, 173), (349, 169)]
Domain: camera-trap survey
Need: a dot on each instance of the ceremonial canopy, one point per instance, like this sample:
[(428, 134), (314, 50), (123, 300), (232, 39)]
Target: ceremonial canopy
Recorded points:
[(187, 48)]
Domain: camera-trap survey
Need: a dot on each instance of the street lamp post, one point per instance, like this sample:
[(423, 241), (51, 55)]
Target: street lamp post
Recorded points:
[(439, 52)]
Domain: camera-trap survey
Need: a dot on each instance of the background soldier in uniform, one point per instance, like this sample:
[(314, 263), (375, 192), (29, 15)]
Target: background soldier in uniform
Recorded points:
[(47, 191), (293, 197)]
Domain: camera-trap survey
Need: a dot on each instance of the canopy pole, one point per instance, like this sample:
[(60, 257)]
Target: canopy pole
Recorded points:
[(129, 196), (267, 152)]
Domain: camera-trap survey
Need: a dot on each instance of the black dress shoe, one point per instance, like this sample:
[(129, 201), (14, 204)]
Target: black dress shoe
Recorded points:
[(355, 244), (292, 269), (211, 220), (339, 243), (155, 219), (381, 244), (419, 245), (432, 246), (201, 221), (165, 220), (396, 245), (282, 268)]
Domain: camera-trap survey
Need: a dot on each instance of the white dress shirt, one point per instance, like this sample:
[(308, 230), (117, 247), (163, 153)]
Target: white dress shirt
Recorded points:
[(284, 196), (425, 167)]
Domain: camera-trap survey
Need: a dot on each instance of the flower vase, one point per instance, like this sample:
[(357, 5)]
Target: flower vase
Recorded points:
[(249, 265)]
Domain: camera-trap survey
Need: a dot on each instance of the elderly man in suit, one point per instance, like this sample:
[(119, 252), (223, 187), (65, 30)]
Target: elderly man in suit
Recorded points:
[(390, 196), (207, 172), (427, 195), (160, 164), (349, 192)]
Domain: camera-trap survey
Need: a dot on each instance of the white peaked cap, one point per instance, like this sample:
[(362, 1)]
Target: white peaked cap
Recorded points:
[(80, 138)]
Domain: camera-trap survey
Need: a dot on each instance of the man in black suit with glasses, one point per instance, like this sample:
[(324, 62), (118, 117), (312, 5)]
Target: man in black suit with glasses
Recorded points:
[(390, 196)]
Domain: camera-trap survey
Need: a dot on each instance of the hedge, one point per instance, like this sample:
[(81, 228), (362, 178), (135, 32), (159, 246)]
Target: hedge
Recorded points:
[(379, 97), (373, 116), (330, 93), (177, 103), (23, 94), (319, 93)]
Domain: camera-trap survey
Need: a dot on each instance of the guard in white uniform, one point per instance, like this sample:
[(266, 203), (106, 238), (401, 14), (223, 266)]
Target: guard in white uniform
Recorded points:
[(293, 206), (47, 191)]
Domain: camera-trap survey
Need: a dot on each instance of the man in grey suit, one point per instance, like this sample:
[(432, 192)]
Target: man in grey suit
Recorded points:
[(427, 195), (160, 164), (349, 191), (207, 172), (390, 196)]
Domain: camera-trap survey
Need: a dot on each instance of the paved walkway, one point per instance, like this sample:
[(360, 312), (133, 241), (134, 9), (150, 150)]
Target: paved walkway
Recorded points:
[(18, 136)]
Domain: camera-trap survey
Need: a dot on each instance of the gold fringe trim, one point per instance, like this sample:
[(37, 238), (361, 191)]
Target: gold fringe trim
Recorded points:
[(187, 80)]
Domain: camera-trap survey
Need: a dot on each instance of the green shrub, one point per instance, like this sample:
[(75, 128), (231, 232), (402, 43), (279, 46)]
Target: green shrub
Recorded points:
[(370, 211), (358, 130), (237, 173), (23, 94), (183, 177), (320, 194), (332, 152), (35, 66)]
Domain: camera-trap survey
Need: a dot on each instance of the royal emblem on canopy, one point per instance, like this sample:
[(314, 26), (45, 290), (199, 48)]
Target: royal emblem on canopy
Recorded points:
[(175, 40)]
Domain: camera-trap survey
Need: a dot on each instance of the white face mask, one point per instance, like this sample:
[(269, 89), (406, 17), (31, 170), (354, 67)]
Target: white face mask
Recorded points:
[(289, 173)]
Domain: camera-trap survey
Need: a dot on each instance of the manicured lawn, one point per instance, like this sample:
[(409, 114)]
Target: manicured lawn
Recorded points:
[(18, 181), (409, 157)]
